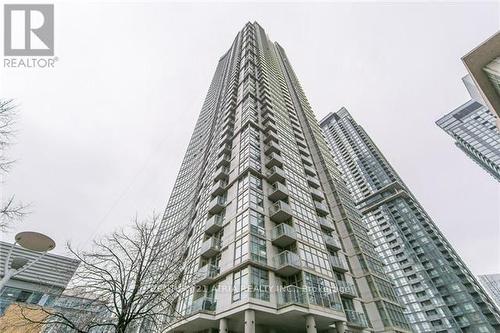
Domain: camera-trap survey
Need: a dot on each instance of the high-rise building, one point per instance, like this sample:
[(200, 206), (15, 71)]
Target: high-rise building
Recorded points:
[(437, 288), (491, 282), (483, 64), (473, 127), (265, 225)]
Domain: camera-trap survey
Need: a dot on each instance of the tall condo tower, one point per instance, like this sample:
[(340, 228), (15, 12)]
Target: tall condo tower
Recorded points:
[(437, 288), (270, 238), (473, 127)]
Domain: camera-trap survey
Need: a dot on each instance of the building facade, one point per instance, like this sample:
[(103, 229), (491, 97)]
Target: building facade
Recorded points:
[(491, 282), (269, 235), (41, 284), (483, 65), (439, 292), (473, 127)]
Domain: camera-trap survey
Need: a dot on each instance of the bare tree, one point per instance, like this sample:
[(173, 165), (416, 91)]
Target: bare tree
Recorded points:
[(127, 280), (10, 210)]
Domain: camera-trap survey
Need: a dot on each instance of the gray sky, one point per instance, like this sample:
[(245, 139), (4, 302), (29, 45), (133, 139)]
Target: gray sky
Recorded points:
[(101, 136)]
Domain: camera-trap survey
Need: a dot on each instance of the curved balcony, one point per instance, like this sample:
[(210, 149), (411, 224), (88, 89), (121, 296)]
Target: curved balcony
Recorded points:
[(321, 208)]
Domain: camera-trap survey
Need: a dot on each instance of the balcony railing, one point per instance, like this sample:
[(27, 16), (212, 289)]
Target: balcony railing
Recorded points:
[(214, 224), (317, 194), (276, 175), (274, 160), (280, 211), (332, 242), (283, 235), (222, 173), (210, 247), (217, 204), (313, 181), (338, 263), (347, 289), (218, 188), (321, 208), (206, 274), (272, 147), (224, 160), (278, 191), (356, 318), (294, 295), (287, 263), (203, 304), (325, 223)]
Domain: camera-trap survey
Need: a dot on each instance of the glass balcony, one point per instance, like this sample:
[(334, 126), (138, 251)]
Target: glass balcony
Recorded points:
[(214, 224), (301, 143), (287, 263), (338, 263), (321, 208), (222, 173), (276, 175), (210, 247), (217, 205), (283, 235), (225, 149), (313, 182), (355, 318), (274, 160), (270, 127), (218, 188), (307, 160), (206, 275), (203, 304), (293, 295), (269, 118), (272, 147), (226, 139), (280, 211), (278, 191), (332, 242), (347, 289), (325, 223), (270, 136), (317, 194), (224, 160), (309, 171)]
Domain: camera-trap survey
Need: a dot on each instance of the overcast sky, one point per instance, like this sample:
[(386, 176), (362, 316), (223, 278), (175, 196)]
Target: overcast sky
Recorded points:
[(102, 135)]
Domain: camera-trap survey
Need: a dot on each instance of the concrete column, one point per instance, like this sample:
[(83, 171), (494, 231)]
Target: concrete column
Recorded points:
[(223, 325), (249, 321), (340, 326), (310, 324)]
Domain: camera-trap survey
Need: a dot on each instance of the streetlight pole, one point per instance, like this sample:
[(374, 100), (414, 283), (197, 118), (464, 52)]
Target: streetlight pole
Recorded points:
[(29, 240)]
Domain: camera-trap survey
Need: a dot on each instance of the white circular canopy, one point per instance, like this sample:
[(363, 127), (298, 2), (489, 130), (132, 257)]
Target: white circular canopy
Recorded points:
[(35, 241)]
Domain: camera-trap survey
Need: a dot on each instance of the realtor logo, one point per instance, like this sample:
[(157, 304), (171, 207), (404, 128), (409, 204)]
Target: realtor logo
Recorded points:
[(29, 30)]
